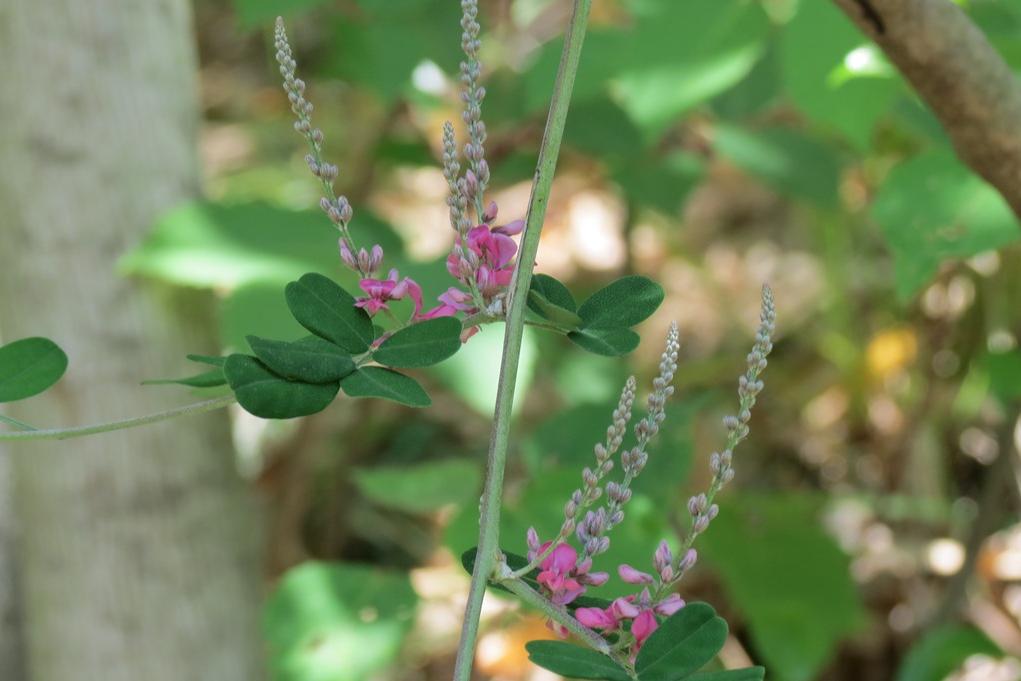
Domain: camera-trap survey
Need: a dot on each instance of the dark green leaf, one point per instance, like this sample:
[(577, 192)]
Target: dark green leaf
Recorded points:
[(207, 359), (422, 344), (748, 674), (324, 308), (422, 487), (574, 662), (28, 367), (337, 621), (932, 208), (264, 394), (554, 291), (609, 342), (310, 360), (560, 316), (682, 644), (390, 385), (207, 379), (621, 304)]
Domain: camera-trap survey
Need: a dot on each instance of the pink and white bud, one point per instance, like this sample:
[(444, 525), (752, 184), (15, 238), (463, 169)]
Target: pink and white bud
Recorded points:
[(346, 255), (633, 576), (669, 605), (490, 213)]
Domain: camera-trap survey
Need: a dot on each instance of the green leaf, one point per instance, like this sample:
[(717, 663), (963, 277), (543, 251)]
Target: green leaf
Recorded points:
[(264, 394), (28, 367), (790, 162), (608, 342), (941, 651), (422, 344), (621, 304), (324, 308), (682, 644), (208, 359), (310, 360), (554, 291), (812, 603), (814, 48), (230, 245), (932, 208), (390, 385), (422, 487), (574, 662), (207, 379), (560, 316), (255, 12), (747, 674), (337, 621)]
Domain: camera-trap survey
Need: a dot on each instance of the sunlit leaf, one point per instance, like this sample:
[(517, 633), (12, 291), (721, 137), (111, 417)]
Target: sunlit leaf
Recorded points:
[(337, 621), (932, 208), (28, 367)]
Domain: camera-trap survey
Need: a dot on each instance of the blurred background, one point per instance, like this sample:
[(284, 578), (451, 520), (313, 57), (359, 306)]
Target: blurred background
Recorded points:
[(714, 145)]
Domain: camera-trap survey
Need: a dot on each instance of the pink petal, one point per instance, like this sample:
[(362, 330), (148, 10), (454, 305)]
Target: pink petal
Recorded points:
[(622, 608), (643, 626), (562, 560), (595, 618), (503, 248), (511, 228), (633, 576), (669, 605), (415, 291), (596, 578)]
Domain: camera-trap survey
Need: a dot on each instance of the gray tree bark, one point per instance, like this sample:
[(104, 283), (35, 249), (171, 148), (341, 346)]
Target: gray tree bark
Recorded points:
[(139, 550)]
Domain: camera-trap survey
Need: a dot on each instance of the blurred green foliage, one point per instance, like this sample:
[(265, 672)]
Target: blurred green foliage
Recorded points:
[(673, 95)]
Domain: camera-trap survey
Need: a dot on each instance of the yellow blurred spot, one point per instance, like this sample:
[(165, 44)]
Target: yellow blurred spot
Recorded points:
[(890, 351), (502, 653)]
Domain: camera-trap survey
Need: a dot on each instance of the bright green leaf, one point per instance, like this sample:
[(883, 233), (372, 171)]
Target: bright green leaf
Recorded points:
[(560, 316), (390, 385), (682, 644), (421, 487), (324, 308), (310, 360), (421, 344), (264, 394), (573, 661), (28, 367), (554, 291), (337, 621), (621, 304), (932, 208), (608, 342)]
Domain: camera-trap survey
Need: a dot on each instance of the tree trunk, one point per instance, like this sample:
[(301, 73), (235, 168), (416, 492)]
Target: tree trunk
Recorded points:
[(139, 551), (10, 622)]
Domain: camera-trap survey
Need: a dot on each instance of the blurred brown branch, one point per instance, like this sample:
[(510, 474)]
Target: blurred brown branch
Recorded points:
[(952, 66)]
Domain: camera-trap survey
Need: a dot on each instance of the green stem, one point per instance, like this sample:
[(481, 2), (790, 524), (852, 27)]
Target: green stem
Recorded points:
[(67, 433), (16, 423), (489, 520)]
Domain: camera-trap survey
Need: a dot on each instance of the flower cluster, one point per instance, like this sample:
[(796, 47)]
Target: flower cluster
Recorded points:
[(565, 573), (482, 256)]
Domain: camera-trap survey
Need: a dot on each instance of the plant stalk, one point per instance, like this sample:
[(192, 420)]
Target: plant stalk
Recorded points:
[(489, 520), (68, 433)]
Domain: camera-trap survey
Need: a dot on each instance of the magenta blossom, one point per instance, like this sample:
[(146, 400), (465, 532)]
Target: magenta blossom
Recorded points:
[(558, 575), (640, 610), (381, 291)]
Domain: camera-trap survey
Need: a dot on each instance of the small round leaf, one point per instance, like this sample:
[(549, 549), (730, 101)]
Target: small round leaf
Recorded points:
[(310, 360), (264, 394), (422, 344), (390, 385), (28, 367), (324, 308), (623, 303), (608, 342)]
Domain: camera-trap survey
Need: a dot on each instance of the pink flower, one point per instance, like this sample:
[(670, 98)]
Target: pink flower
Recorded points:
[(669, 605), (633, 576), (557, 575), (493, 248), (596, 618), (642, 628), (511, 228), (381, 291), (452, 301)]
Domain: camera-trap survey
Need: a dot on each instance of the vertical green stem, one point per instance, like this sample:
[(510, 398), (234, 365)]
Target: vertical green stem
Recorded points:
[(489, 520)]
